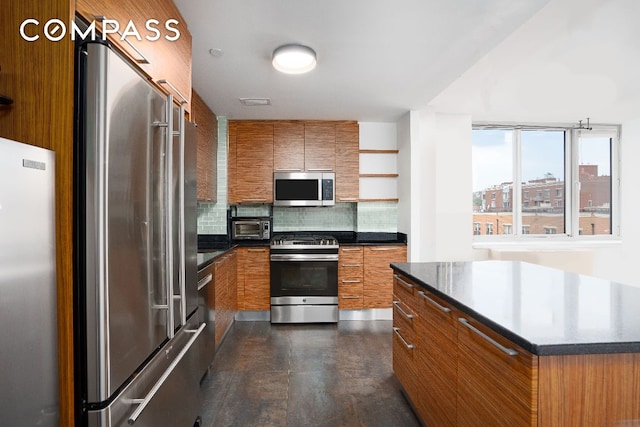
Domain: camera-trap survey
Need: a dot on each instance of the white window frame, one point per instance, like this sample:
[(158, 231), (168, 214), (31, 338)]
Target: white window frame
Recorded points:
[(571, 192)]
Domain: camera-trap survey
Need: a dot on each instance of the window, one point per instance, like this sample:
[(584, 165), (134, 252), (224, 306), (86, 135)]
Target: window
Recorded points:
[(554, 180), (476, 228), (489, 228)]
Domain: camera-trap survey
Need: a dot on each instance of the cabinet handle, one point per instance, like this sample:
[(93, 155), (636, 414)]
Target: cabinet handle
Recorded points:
[(143, 59), (350, 297), (168, 83), (406, 344), (440, 307), (288, 170), (256, 250), (350, 281), (203, 282), (509, 351), (253, 201), (351, 249), (396, 304), (351, 265), (348, 199), (320, 170), (389, 248), (402, 282)]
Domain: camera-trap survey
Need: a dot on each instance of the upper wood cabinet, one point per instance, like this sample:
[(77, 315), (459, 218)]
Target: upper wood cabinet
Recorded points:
[(320, 146), (297, 146), (347, 162), (250, 162), (288, 146), (167, 63), (207, 132)]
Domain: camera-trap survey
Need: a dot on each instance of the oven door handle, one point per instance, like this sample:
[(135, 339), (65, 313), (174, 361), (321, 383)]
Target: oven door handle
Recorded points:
[(304, 257)]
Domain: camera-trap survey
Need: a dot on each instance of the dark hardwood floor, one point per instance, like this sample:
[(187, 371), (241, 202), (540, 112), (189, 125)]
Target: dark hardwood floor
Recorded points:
[(305, 375)]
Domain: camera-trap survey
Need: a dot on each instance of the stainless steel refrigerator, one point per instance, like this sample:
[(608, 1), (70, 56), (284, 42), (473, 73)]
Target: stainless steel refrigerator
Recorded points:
[(136, 240), (28, 336)]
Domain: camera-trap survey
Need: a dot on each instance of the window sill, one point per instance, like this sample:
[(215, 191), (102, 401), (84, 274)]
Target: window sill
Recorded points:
[(546, 244)]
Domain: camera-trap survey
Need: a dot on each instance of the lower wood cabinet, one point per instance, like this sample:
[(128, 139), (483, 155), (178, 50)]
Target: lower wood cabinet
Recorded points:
[(350, 277), (463, 373), (254, 278), (225, 301), (378, 276)]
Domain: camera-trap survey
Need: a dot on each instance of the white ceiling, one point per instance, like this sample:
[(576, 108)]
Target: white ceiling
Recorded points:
[(574, 59), (376, 59)]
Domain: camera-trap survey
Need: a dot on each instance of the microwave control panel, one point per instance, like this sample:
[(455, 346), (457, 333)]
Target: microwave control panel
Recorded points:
[(327, 189)]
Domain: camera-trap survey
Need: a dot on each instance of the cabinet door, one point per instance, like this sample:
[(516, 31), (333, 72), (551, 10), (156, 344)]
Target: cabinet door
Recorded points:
[(207, 135), (405, 349), (161, 59), (288, 146), (437, 359), (320, 146), (350, 277), (254, 162), (221, 289), (378, 276), (347, 162), (497, 380), (254, 291)]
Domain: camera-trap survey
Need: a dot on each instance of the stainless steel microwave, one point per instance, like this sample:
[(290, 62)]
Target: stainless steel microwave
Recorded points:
[(304, 188), (243, 228)]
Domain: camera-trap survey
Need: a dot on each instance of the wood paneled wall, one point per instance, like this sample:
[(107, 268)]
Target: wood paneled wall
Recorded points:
[(39, 77)]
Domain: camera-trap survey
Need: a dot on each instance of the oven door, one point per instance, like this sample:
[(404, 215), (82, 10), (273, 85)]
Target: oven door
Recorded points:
[(247, 229), (299, 275)]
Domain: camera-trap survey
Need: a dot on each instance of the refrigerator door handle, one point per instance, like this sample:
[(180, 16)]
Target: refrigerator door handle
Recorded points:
[(181, 221), (147, 399), (169, 215)]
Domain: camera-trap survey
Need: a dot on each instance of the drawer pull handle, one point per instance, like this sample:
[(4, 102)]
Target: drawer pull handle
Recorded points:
[(203, 282), (509, 351), (404, 313), (406, 284), (406, 344), (175, 89), (351, 265), (351, 249), (440, 307), (350, 296), (256, 250), (390, 248), (143, 59), (350, 281)]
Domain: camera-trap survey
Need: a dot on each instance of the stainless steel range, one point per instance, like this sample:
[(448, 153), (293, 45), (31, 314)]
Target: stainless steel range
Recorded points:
[(304, 279)]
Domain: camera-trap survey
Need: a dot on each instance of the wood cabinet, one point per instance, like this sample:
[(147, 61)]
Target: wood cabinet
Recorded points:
[(207, 135), (225, 294), (320, 146), (496, 380), (259, 148), (350, 277), (250, 162), (347, 162), (378, 276), (464, 374), (254, 278), (288, 146), (166, 62), (437, 358), (405, 349)]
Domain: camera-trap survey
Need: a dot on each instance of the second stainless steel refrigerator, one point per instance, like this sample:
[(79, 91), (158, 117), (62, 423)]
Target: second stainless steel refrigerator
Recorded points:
[(136, 272)]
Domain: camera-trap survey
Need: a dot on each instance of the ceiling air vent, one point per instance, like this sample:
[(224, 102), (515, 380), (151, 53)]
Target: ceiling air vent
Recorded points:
[(255, 102)]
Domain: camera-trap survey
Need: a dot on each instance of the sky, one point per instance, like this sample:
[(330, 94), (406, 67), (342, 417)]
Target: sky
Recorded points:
[(542, 153)]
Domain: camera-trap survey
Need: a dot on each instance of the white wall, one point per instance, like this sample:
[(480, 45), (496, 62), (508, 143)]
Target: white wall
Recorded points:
[(435, 185)]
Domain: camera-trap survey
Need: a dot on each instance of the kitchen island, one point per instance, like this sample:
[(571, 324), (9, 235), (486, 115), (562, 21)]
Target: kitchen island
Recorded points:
[(512, 343)]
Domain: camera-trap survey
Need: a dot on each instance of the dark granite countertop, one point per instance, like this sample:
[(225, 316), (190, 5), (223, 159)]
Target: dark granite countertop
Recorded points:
[(544, 310)]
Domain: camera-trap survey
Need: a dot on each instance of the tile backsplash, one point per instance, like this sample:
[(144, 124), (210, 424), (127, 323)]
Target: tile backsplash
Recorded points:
[(362, 217)]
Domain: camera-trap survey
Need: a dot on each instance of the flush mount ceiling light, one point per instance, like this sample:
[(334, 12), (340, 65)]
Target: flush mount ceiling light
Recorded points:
[(294, 59)]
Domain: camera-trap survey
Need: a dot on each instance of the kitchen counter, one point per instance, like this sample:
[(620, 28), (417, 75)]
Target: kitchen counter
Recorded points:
[(544, 310)]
